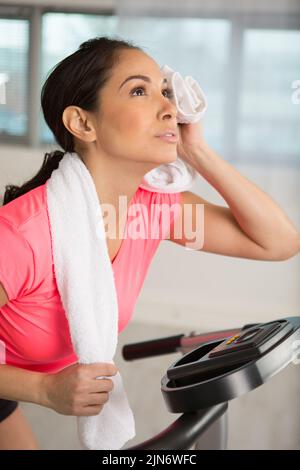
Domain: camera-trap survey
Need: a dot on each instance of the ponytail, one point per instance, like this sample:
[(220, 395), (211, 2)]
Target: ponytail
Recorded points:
[(50, 163)]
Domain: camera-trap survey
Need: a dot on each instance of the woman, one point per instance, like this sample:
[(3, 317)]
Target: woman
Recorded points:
[(109, 103)]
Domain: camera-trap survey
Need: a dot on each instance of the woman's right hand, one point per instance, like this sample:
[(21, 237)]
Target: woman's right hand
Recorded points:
[(76, 391)]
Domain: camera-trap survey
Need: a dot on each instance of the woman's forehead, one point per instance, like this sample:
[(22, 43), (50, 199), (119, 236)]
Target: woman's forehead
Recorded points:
[(134, 62)]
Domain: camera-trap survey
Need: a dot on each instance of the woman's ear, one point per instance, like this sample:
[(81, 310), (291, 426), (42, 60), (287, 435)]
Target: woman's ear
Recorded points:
[(78, 123)]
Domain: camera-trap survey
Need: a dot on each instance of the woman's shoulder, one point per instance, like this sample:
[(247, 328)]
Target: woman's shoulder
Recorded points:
[(27, 218), (25, 254), (25, 209)]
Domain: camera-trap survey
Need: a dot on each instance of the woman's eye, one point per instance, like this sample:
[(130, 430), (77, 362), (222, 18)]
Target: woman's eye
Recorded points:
[(168, 90), (138, 88)]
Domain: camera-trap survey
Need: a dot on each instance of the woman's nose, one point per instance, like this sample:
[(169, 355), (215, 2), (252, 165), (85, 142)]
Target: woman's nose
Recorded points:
[(168, 109)]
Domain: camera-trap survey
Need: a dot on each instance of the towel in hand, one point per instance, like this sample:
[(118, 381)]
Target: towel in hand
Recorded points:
[(85, 281), (191, 105)]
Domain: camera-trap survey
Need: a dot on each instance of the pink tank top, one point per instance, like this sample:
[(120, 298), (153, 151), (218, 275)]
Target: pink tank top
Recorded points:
[(34, 331)]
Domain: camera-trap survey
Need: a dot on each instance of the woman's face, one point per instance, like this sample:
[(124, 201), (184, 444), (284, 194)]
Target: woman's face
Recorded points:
[(132, 112)]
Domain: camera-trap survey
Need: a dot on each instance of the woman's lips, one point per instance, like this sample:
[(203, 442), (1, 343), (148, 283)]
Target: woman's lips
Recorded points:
[(172, 139)]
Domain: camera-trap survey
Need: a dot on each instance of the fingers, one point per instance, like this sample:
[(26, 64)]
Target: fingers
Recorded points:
[(91, 410), (102, 370), (96, 401), (103, 385), (99, 398)]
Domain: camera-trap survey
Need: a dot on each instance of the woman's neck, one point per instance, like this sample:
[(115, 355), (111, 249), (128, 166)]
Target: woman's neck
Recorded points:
[(114, 178)]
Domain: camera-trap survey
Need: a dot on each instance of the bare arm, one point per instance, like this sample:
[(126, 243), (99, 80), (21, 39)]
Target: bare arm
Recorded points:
[(3, 296), (75, 390), (253, 226), (21, 385)]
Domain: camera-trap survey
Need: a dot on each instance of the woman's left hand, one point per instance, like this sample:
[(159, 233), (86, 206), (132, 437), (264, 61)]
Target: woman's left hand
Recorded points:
[(191, 138)]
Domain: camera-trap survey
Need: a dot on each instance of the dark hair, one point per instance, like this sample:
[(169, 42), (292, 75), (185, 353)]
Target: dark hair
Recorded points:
[(76, 80)]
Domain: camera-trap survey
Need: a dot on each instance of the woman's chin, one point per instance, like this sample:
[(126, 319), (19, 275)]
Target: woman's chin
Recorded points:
[(164, 159)]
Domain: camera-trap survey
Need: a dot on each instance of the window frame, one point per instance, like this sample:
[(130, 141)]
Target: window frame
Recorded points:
[(18, 13)]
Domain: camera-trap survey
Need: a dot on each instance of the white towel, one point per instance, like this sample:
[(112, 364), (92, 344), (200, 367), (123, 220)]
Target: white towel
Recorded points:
[(86, 285), (191, 105)]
